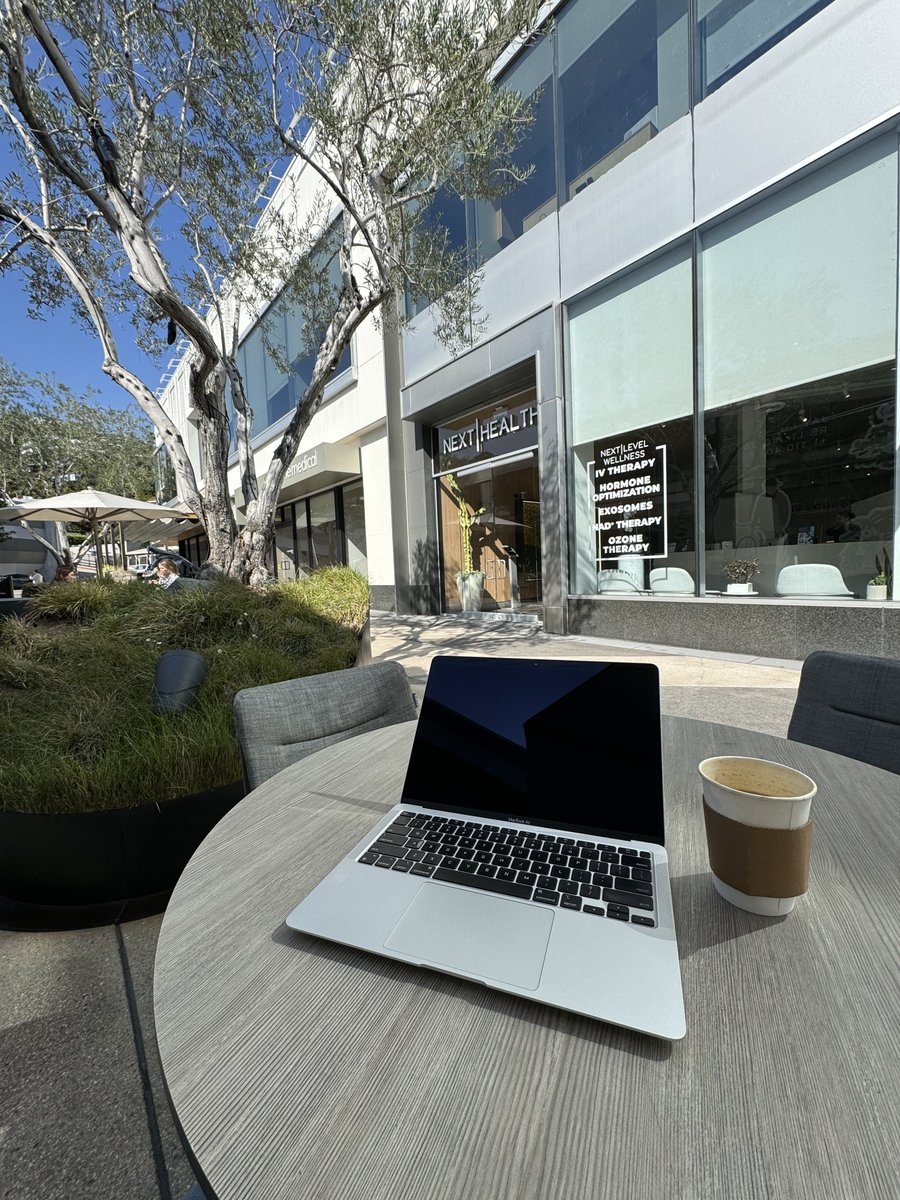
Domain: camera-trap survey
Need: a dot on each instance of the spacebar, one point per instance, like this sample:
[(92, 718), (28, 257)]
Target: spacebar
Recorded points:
[(484, 882)]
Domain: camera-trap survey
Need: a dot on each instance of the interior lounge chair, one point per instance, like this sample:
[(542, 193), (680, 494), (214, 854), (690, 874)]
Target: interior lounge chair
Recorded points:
[(673, 580), (279, 723), (811, 579), (616, 581), (850, 703)]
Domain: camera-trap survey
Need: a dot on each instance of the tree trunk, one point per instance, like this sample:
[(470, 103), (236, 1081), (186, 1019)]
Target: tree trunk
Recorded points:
[(252, 551)]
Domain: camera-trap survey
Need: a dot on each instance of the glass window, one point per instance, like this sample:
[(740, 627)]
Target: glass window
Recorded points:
[(799, 332), (284, 549), (287, 335), (623, 76), (304, 552), (355, 527), (732, 33), (630, 382), (278, 388), (165, 483), (445, 217), (499, 222), (327, 548)]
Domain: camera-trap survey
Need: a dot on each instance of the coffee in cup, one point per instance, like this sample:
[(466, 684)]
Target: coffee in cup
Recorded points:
[(758, 831)]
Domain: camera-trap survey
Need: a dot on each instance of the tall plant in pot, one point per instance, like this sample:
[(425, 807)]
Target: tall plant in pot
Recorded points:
[(469, 582), (879, 587)]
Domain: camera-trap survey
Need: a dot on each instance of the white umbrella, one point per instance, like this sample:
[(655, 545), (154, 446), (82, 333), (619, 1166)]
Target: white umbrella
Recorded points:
[(93, 506)]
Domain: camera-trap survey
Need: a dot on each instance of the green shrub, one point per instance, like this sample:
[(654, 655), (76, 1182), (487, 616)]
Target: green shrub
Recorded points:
[(77, 730)]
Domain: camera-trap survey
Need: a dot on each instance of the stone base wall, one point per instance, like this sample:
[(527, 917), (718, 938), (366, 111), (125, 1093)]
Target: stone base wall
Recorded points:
[(762, 628), (382, 597)]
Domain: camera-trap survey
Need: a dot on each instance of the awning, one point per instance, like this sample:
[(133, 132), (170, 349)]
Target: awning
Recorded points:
[(323, 466)]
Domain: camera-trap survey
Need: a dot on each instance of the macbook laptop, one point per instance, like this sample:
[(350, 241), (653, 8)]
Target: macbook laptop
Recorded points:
[(527, 850)]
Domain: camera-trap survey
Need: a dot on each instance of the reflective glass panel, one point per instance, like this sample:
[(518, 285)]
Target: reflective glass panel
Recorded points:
[(499, 222), (327, 550), (732, 33), (623, 76), (355, 527), (799, 354), (632, 476)]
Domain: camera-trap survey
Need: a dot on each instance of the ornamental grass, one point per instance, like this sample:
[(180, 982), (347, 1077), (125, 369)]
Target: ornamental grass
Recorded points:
[(77, 727)]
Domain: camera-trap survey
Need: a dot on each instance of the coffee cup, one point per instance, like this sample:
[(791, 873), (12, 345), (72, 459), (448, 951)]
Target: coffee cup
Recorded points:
[(758, 831)]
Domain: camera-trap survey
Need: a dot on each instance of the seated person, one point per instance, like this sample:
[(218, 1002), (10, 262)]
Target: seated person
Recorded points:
[(167, 572), (843, 528), (65, 573)]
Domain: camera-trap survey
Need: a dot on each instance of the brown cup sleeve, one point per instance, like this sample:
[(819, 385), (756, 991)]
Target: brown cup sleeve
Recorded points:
[(756, 861)]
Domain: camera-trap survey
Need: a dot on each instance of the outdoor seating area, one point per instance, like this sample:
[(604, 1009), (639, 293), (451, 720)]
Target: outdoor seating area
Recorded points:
[(253, 868)]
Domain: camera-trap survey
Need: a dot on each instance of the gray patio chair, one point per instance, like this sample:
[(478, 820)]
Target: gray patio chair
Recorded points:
[(850, 703), (279, 723)]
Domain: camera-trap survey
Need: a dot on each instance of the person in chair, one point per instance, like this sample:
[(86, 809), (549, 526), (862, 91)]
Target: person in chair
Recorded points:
[(843, 528)]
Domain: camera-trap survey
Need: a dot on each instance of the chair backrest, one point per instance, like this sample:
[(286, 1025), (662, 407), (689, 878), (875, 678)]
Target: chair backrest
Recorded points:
[(672, 579), (279, 723), (811, 579), (616, 581), (850, 703)]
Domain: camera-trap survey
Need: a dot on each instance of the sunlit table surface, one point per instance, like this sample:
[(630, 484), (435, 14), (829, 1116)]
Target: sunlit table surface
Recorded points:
[(301, 1068)]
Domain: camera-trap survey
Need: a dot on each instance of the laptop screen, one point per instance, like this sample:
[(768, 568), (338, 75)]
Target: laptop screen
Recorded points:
[(570, 744)]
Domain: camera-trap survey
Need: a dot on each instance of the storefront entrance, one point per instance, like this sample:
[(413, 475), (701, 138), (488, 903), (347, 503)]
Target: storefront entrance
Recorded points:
[(506, 540)]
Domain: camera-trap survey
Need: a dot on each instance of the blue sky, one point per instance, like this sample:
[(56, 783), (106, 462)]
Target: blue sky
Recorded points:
[(59, 346)]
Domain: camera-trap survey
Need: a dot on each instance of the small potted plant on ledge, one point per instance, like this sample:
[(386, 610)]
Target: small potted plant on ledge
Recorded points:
[(739, 572), (469, 582), (878, 588)]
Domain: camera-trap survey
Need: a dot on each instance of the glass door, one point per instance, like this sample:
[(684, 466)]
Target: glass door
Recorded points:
[(505, 540)]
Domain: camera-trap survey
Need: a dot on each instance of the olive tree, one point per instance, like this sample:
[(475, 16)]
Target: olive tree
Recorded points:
[(144, 136)]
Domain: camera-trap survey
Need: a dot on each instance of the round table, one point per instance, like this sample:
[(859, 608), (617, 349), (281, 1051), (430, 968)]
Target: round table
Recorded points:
[(301, 1068)]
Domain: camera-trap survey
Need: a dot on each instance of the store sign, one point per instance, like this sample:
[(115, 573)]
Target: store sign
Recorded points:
[(628, 489), (307, 462), (490, 433)]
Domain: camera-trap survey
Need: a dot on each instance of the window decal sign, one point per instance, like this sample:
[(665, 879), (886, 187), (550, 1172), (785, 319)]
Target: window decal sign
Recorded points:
[(628, 492)]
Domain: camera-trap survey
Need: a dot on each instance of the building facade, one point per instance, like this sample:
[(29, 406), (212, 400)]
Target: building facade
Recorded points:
[(689, 350), (690, 355)]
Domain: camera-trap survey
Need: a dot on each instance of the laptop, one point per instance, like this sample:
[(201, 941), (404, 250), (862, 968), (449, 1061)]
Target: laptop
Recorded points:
[(527, 850)]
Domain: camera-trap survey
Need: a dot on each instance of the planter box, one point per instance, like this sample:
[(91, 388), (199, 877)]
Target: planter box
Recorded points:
[(876, 591), (66, 870)]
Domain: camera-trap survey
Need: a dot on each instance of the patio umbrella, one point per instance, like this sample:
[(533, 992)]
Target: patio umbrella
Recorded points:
[(93, 506)]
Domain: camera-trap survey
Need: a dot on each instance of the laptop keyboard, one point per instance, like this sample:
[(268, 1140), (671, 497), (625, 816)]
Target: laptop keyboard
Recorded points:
[(596, 878)]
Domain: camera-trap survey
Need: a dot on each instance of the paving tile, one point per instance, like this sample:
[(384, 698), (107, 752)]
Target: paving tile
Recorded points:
[(72, 1124)]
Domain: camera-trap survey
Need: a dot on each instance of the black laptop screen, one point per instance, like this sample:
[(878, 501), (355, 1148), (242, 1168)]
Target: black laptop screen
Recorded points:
[(575, 745)]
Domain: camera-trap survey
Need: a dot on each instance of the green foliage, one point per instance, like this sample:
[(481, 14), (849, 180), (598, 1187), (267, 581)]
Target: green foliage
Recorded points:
[(140, 147), (77, 731), (740, 570), (883, 570), (52, 436), (467, 519)]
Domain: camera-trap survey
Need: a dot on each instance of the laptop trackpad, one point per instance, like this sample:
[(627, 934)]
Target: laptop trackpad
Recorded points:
[(474, 933)]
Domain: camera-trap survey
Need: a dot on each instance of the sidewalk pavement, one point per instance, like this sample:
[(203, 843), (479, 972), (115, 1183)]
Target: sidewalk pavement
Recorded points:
[(83, 1113)]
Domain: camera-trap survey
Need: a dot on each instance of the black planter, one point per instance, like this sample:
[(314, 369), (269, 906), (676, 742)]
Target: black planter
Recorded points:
[(70, 870)]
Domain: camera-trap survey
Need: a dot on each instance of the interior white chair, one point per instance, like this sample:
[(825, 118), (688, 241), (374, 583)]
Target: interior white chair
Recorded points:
[(811, 579), (616, 581), (672, 579)]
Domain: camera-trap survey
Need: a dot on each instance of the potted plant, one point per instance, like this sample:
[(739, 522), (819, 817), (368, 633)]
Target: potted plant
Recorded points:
[(469, 582), (879, 586), (739, 572)]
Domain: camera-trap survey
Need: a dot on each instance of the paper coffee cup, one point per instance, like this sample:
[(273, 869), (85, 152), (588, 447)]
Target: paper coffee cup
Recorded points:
[(758, 831)]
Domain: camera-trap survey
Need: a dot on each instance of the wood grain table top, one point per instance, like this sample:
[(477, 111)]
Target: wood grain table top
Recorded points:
[(303, 1069)]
